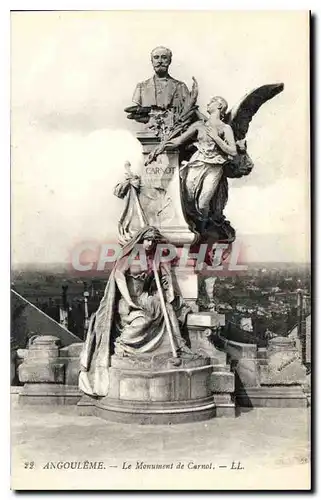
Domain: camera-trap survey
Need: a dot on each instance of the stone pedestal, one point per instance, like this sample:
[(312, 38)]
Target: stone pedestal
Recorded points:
[(49, 374), (223, 386), (272, 377), (160, 196), (202, 327), (284, 345), (244, 362), (160, 199), (284, 365), (42, 364), (142, 393), (70, 356)]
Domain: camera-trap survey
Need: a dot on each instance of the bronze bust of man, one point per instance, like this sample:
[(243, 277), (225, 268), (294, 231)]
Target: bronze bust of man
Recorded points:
[(162, 91)]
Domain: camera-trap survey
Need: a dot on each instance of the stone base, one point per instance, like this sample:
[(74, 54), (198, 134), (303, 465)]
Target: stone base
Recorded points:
[(223, 382), (154, 413), (283, 396), (168, 396), (223, 385), (225, 406), (49, 394)]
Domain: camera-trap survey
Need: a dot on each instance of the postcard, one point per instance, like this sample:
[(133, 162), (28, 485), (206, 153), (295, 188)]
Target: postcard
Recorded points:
[(160, 281)]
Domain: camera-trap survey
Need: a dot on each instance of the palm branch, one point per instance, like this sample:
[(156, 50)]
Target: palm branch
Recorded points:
[(181, 122)]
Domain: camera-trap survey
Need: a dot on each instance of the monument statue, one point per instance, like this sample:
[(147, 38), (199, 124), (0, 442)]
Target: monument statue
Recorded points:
[(149, 354), (141, 315)]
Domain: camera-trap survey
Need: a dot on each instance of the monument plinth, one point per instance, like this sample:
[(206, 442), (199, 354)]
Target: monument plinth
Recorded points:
[(154, 391), (159, 194)]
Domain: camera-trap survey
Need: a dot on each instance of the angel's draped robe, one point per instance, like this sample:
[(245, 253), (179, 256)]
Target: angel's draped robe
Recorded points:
[(205, 187)]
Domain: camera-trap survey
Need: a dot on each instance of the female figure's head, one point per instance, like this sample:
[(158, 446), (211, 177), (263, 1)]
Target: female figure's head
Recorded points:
[(217, 104), (150, 237), (148, 244)]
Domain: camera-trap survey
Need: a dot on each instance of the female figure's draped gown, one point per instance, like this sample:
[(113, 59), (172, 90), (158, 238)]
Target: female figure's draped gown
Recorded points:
[(130, 320)]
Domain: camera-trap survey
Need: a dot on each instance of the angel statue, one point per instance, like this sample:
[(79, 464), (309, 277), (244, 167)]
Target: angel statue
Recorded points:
[(220, 141)]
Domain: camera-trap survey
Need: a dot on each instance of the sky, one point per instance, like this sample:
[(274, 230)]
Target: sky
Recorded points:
[(73, 73)]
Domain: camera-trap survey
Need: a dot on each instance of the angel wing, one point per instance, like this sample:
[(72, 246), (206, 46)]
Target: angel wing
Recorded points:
[(240, 116)]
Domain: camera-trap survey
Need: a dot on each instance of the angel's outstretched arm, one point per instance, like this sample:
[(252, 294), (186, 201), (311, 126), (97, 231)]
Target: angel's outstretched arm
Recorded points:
[(174, 143), (228, 145)]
